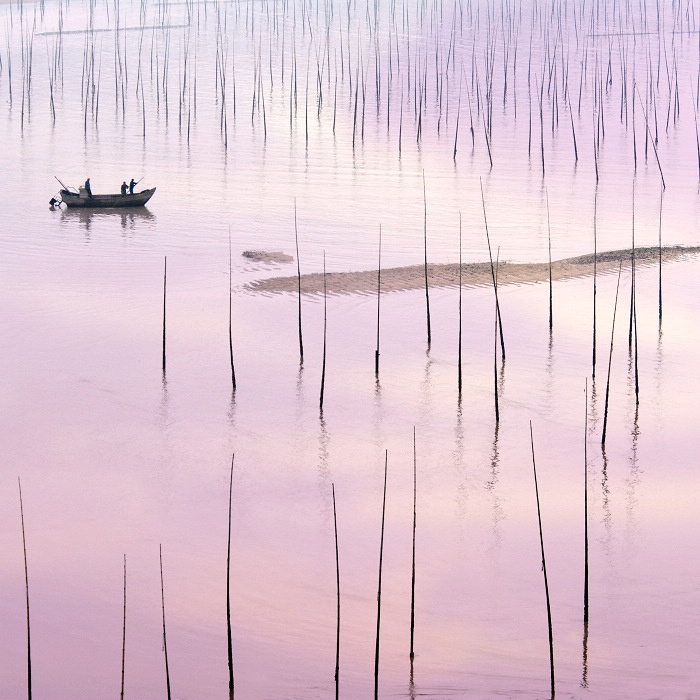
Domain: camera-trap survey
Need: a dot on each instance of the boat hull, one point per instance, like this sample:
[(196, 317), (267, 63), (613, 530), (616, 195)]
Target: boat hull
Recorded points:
[(106, 201)]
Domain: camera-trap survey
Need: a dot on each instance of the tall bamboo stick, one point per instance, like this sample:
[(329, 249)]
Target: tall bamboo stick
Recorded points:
[(165, 283), (493, 274), (121, 695), (544, 568), (325, 325), (612, 337), (296, 242), (425, 257), (413, 555), (230, 314), (379, 590), (26, 589), (549, 242), (337, 580), (379, 290), (165, 641), (459, 337), (228, 587)]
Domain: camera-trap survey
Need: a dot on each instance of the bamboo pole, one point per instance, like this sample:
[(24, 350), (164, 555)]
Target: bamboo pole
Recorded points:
[(612, 337), (379, 590), (165, 282), (121, 695), (228, 587), (337, 579), (584, 679), (459, 340), (230, 314), (26, 589), (325, 325), (379, 289), (165, 641), (595, 272), (296, 242), (544, 568), (413, 554), (549, 242), (661, 204), (493, 274), (425, 258)]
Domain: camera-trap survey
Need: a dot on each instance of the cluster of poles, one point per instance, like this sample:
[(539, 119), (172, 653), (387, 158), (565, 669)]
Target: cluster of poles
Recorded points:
[(418, 67)]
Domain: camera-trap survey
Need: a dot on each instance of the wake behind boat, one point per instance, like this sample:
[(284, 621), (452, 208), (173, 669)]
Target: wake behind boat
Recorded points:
[(102, 201)]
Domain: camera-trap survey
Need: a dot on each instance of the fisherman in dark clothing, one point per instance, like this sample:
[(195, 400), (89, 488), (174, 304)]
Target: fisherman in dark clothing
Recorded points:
[(87, 188), (124, 188), (132, 184)]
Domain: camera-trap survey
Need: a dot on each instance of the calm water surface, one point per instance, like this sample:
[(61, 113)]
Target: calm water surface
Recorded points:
[(117, 458)]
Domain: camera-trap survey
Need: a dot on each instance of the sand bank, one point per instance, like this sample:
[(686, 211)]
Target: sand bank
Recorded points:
[(473, 274)]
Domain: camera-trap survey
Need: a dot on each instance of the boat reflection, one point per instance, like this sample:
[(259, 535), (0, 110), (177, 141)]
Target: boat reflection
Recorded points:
[(130, 218)]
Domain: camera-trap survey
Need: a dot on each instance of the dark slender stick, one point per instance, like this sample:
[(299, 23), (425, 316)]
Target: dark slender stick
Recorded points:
[(26, 588), (653, 142), (495, 358), (493, 274), (228, 587), (636, 356), (544, 567), (661, 204), (549, 240), (296, 241), (459, 341), (337, 580), (425, 252), (585, 509), (595, 272), (413, 557), (230, 316), (165, 641), (165, 282), (123, 632), (612, 337), (325, 317), (379, 590), (632, 285), (379, 290), (584, 681)]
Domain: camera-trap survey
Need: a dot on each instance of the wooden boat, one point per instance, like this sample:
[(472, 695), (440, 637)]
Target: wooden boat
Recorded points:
[(104, 201)]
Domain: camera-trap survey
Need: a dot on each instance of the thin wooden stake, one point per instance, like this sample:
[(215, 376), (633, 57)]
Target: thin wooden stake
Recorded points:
[(425, 259), (296, 242), (661, 204), (228, 587), (584, 681), (121, 695), (612, 337), (595, 272), (325, 324), (165, 283), (337, 580), (230, 315), (379, 590), (26, 588), (493, 274), (165, 641), (379, 290), (549, 241), (459, 341), (413, 556), (544, 568)]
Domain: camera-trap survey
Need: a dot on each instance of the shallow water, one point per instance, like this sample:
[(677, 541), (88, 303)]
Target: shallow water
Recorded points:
[(117, 458)]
